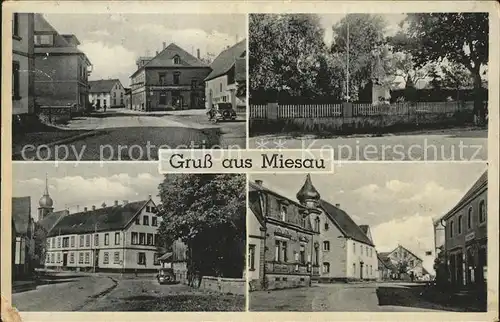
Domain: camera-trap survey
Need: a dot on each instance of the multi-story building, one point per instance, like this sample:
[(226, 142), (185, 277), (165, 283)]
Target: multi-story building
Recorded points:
[(23, 85), (61, 77), (173, 79), (227, 75), (466, 239), (404, 262), (292, 243), (106, 93)]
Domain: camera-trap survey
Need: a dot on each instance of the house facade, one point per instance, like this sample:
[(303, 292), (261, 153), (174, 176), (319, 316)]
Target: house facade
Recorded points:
[(23, 85), (62, 70), (404, 263), (173, 79), (466, 237), (22, 238), (293, 243), (106, 93), (227, 76), (121, 237)]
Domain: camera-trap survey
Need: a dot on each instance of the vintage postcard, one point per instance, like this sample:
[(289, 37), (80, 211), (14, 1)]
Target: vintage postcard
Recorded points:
[(250, 160)]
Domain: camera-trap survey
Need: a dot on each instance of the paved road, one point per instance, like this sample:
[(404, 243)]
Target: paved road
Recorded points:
[(121, 135), (432, 146), (114, 292), (363, 297)]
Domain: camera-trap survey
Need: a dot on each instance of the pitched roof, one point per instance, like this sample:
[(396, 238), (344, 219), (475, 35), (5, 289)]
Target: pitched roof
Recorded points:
[(21, 214), (102, 85), (345, 224), (240, 70), (166, 56), (386, 254), (364, 228), (481, 182), (49, 221), (100, 219), (226, 60)]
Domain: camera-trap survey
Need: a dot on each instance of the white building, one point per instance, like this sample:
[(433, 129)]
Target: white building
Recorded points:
[(121, 237), (403, 259), (106, 92), (228, 71)]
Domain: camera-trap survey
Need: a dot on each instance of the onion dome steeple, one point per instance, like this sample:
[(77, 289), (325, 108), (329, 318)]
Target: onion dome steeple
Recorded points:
[(308, 194), (46, 203)]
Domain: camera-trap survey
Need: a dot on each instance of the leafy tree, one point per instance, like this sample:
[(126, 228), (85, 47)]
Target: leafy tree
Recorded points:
[(461, 38), (207, 213), (40, 244), (286, 55), (368, 57)]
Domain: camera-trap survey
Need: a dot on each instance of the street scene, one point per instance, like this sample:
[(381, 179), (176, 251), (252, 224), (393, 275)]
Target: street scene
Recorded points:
[(90, 242), (179, 82), (372, 82), (391, 237)]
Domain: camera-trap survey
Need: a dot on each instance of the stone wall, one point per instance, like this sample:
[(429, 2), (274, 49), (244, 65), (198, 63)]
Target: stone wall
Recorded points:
[(278, 281), (224, 285)]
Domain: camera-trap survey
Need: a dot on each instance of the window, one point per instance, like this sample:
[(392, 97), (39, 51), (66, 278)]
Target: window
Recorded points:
[(251, 257), (157, 240), (137, 220), (354, 247), (134, 238), (145, 220), (65, 242), (142, 239), (117, 238), (96, 240), (141, 258), (121, 94), (58, 257), (44, 40), (354, 269), (326, 226), (52, 258), (81, 240), (326, 267), (469, 218), (220, 88), (156, 259), (52, 242), (121, 101), (116, 258), (72, 241), (194, 83), (106, 239), (277, 250), (284, 251), (459, 224), (326, 246), (106, 258), (302, 254), (482, 211), (87, 240), (154, 221), (80, 258), (283, 213), (177, 60), (58, 242), (150, 240), (15, 24), (177, 77), (316, 224), (451, 228), (162, 78), (87, 258), (72, 258), (15, 81), (114, 94)]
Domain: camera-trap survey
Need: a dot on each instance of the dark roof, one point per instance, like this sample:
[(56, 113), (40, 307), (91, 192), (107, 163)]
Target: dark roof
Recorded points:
[(49, 221), (102, 85), (478, 185), (226, 60), (345, 224), (100, 219), (21, 214), (386, 261), (166, 56), (386, 254), (364, 228), (240, 70)]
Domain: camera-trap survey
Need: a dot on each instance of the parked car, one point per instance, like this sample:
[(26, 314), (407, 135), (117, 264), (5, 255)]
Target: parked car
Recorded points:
[(165, 276), (222, 112)]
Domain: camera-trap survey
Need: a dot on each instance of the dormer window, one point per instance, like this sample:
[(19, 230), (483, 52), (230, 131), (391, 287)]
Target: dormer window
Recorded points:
[(177, 60), (44, 40), (283, 213)]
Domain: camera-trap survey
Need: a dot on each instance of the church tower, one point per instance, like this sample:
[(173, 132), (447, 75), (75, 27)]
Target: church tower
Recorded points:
[(308, 195), (45, 203)]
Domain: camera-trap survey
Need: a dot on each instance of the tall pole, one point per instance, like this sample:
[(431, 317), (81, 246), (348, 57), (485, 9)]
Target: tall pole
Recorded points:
[(347, 83), (95, 246)]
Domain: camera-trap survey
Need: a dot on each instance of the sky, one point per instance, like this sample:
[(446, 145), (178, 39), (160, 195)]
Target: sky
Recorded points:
[(113, 42), (397, 200), (86, 184)]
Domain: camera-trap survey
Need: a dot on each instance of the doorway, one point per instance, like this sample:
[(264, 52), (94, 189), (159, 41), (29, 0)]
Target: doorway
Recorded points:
[(361, 270), (65, 259)]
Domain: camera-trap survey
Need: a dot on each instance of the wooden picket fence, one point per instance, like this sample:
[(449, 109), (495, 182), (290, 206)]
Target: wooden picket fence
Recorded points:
[(290, 111)]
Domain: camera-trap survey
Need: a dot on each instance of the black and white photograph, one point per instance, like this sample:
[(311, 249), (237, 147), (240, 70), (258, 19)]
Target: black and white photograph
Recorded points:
[(379, 238), (121, 86), (398, 86), (124, 238)]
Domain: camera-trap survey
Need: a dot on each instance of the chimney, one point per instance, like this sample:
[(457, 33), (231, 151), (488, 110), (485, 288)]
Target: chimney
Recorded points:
[(84, 209), (259, 182), (116, 202), (149, 196), (125, 202), (198, 53), (103, 205), (93, 207), (337, 205), (164, 45)]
